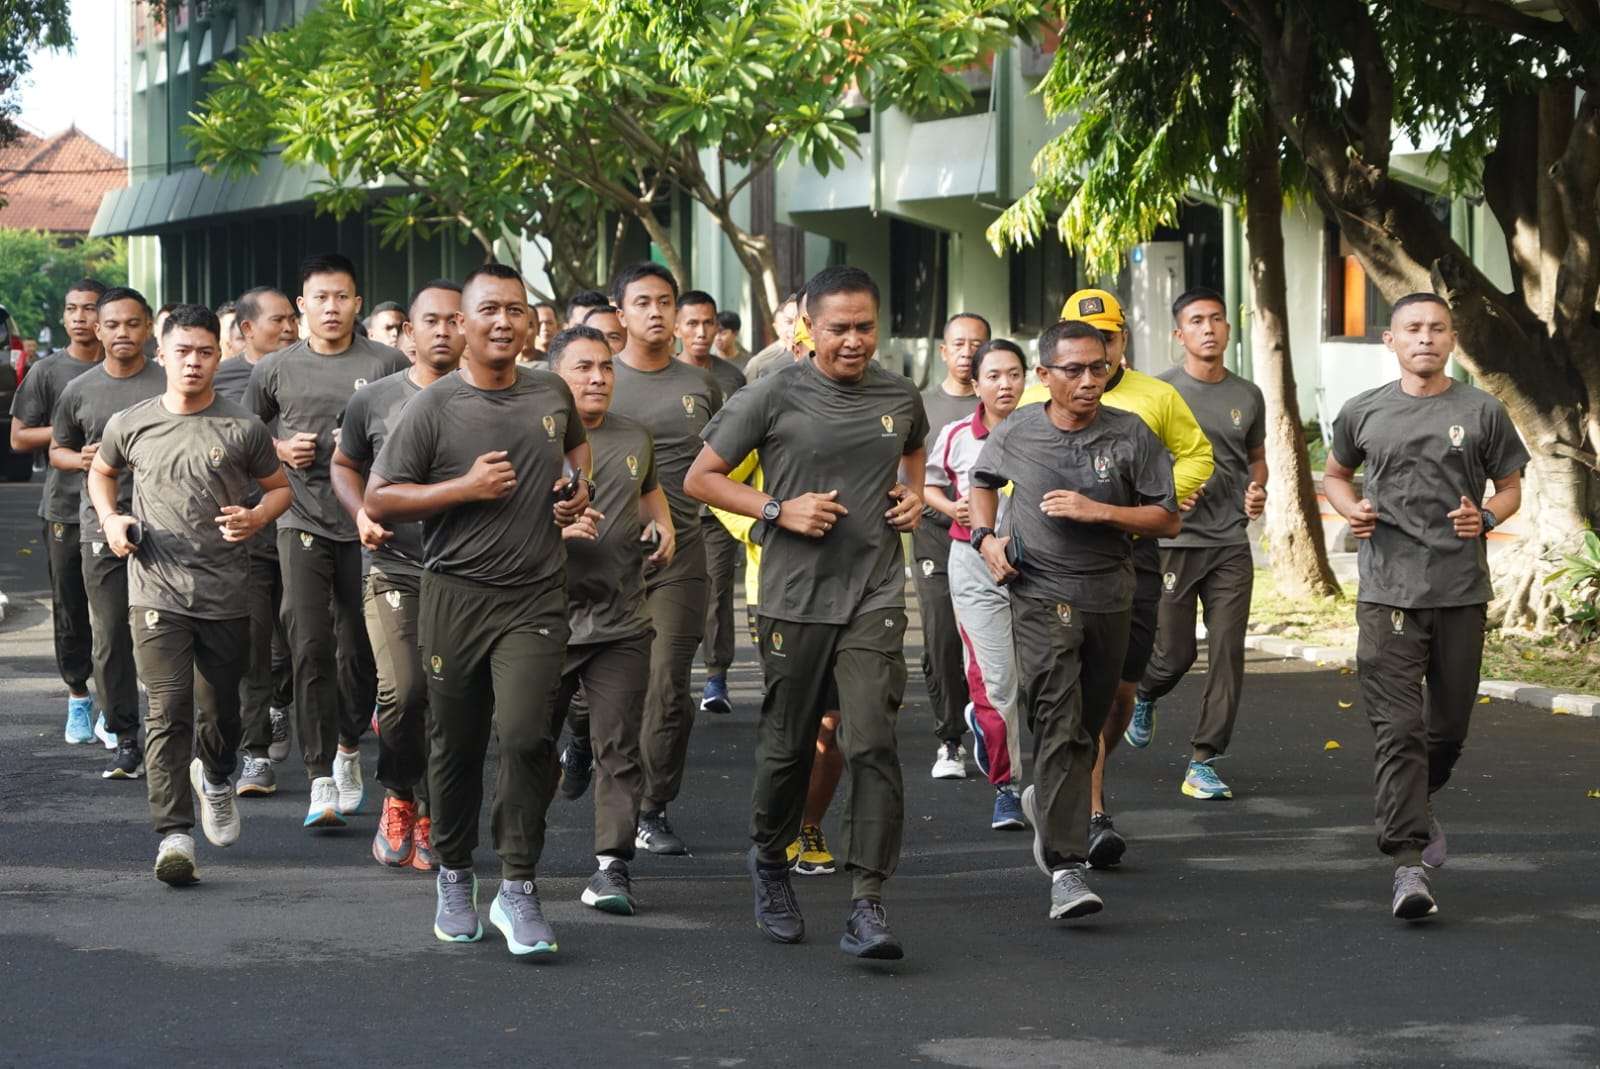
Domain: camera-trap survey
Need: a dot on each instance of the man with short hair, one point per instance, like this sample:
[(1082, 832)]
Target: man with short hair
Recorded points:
[(1210, 558), (1085, 478), (609, 323), (582, 303), (227, 316), (31, 410), (832, 613), (393, 559), (86, 406), (729, 344), (946, 402), (549, 317), (266, 692), (387, 323), (478, 457), (1429, 445), (302, 390), (673, 401), (697, 331), (780, 354), (193, 458)]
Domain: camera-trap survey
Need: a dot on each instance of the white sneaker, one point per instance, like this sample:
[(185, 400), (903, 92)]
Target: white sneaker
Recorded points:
[(103, 733), (324, 810), (950, 762), (175, 861), (219, 817), (347, 779)]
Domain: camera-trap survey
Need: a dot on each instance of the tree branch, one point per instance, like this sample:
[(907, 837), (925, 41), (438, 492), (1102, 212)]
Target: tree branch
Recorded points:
[(1576, 179), (1510, 187), (1501, 14)]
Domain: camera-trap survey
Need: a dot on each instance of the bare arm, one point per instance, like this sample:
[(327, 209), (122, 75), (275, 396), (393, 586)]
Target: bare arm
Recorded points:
[(812, 515), (68, 459), (101, 482), (29, 439), (1149, 521), (489, 479), (654, 508), (1255, 495), (906, 512), (1339, 487), (349, 483), (938, 502)]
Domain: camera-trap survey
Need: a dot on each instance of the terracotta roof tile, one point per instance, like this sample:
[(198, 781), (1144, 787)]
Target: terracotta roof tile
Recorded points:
[(55, 183)]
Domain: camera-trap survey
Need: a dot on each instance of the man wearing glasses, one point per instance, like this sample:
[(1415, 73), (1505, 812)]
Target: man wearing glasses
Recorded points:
[(1086, 479), (1166, 413)]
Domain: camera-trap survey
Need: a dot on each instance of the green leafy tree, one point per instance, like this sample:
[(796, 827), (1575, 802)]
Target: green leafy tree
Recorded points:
[(37, 267), (25, 27)]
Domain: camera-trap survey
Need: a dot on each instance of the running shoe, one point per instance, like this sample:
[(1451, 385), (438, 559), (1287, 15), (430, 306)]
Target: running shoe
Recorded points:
[(347, 781), (1106, 846), (455, 917), (1413, 899), (395, 841), (1433, 855), (655, 834), (577, 769), (1007, 810), (610, 890), (1070, 896), (715, 697), (516, 912), (1202, 781), (1030, 809), (103, 733), (278, 751), (867, 934), (175, 865), (256, 777), (424, 858), (324, 809), (980, 747), (1142, 728), (777, 909), (814, 859), (793, 853), (127, 764), (80, 721), (219, 817), (950, 761)]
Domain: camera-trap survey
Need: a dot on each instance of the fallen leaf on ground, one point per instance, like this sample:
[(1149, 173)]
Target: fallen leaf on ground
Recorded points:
[(1330, 745), (1593, 794), (1346, 705), (1483, 700), (24, 552)]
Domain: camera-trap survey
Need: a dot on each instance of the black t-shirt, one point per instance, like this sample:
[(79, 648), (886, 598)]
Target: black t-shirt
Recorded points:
[(33, 405), (512, 541), (605, 578), (369, 419), (816, 435), (85, 407)]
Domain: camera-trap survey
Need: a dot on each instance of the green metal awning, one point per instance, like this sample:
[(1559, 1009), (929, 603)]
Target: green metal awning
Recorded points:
[(191, 195)]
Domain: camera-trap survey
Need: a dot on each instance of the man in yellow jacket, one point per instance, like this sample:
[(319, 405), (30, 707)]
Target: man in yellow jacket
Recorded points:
[(1159, 405)]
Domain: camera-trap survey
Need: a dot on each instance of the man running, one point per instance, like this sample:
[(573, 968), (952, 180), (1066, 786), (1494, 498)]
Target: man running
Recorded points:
[(31, 411), (1429, 444), (1085, 478), (1210, 558), (697, 332), (606, 320), (87, 404), (387, 324), (478, 457), (582, 303), (194, 459), (947, 402), (628, 524), (674, 402), (729, 345), (266, 693), (835, 433), (302, 390), (393, 558)]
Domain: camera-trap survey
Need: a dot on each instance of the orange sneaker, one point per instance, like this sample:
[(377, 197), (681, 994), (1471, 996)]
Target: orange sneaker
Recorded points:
[(424, 859), (395, 842)]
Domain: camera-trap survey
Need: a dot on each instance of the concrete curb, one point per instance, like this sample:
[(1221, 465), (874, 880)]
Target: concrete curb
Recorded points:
[(1557, 702)]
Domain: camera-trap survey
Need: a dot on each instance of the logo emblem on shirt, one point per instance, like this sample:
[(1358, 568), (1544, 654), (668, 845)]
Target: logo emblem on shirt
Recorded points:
[(151, 618), (360, 383), (688, 405), (777, 640), (1102, 467), (393, 598), (436, 662), (97, 547), (550, 427), (1237, 417), (633, 466), (215, 456), (888, 424), (305, 539), (59, 530), (1169, 582), (1458, 434), (927, 567), (1064, 613), (1397, 620)]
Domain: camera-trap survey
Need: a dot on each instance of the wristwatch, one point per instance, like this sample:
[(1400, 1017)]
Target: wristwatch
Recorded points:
[(1490, 520), (978, 535), (770, 511)]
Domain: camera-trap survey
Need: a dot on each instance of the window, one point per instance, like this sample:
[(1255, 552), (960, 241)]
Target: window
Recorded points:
[(919, 279), (1354, 309), (1042, 276), (1200, 229)]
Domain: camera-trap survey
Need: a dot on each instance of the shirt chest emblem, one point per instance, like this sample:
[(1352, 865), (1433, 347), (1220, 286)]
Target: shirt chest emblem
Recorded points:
[(688, 405), (1237, 417), (360, 383), (1102, 467), (633, 466), (550, 427), (888, 423), (215, 456), (1458, 434)]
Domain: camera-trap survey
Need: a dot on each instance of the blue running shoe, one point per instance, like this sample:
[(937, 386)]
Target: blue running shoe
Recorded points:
[(1203, 782), (517, 913), (715, 697), (980, 751), (1007, 810), (1142, 728), (80, 721)]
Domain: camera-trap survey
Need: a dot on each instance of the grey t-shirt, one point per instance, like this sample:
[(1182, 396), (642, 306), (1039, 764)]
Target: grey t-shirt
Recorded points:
[(369, 419), (514, 540), (1233, 414), (34, 405), (931, 539), (816, 435), (230, 382), (673, 405), (85, 407), (774, 357), (305, 391), (605, 578), (1116, 460), (184, 469), (1423, 455)]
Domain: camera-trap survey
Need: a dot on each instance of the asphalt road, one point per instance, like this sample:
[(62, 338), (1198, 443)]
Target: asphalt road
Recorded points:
[(1246, 933)]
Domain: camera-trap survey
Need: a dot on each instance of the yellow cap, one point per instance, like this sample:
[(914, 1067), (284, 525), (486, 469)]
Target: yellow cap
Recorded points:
[(1098, 308)]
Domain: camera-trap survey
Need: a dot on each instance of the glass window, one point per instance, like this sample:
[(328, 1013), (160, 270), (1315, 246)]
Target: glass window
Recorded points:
[(919, 279)]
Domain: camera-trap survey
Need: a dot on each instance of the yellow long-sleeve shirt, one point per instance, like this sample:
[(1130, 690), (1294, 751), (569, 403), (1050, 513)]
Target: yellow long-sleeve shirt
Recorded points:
[(748, 471), (1166, 413)]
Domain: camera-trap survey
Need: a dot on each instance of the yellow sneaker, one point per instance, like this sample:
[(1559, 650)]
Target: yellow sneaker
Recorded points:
[(814, 857), (793, 853)]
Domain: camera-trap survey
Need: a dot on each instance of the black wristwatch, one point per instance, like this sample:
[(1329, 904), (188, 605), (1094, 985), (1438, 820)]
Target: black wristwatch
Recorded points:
[(1490, 520), (770, 511), (978, 535)]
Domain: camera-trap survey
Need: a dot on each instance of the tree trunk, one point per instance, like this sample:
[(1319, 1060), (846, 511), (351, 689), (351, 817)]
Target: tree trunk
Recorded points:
[(662, 238), (1294, 533), (755, 255)]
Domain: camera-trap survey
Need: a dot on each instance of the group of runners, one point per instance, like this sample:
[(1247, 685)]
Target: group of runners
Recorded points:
[(481, 515)]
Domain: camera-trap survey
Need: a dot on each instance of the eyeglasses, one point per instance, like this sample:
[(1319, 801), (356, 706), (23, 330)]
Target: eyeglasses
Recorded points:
[(1099, 369)]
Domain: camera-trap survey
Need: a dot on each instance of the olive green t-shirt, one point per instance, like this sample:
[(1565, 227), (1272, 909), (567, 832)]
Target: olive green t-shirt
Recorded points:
[(673, 405), (816, 435), (34, 405), (605, 577), (369, 419), (931, 539), (85, 407), (230, 382), (305, 391), (1233, 415), (512, 541), (184, 470)]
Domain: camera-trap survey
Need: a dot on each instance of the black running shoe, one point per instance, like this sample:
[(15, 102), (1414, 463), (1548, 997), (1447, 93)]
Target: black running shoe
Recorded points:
[(867, 934), (127, 764), (1106, 847), (777, 910), (656, 835), (577, 769), (610, 890)]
